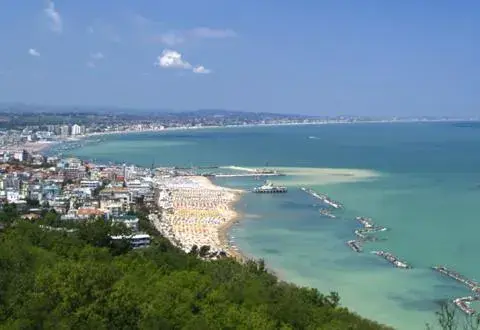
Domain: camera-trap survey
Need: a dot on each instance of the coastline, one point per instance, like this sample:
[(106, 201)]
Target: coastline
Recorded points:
[(232, 218), (196, 212), (320, 122), (41, 146), (301, 177), (224, 229), (31, 147)]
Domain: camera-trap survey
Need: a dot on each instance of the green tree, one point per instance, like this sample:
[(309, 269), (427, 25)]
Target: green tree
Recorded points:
[(204, 251), (8, 214), (57, 279), (98, 232), (32, 202), (51, 218), (194, 250)]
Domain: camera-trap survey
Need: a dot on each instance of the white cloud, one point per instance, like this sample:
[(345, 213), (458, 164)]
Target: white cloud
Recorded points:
[(33, 52), (56, 24), (172, 59), (91, 64), (97, 56), (201, 69), (90, 30), (172, 38)]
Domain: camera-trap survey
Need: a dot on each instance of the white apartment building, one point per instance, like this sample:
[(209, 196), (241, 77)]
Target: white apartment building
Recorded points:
[(76, 129)]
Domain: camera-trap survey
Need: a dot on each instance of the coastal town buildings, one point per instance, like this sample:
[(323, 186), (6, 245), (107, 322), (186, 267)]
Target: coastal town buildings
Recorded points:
[(187, 209), (72, 169), (77, 191), (137, 241), (64, 130), (76, 130), (18, 132), (130, 221)]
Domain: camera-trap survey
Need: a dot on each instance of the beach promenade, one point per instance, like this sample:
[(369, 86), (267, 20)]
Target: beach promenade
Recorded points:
[(196, 212)]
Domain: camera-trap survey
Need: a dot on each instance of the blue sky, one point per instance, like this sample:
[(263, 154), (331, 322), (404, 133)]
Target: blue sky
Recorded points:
[(316, 57)]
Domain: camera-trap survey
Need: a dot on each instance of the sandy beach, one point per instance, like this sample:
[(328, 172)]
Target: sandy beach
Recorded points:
[(197, 212), (31, 147), (231, 219)]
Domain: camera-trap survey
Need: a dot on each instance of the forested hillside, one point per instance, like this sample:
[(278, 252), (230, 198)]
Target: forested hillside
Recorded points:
[(53, 279)]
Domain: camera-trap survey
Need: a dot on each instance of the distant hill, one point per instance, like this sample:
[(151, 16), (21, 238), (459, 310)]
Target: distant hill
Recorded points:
[(32, 108)]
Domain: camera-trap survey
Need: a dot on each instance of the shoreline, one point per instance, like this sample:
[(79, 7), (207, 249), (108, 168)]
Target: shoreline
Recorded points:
[(320, 122), (42, 146), (235, 217), (223, 231), (196, 212), (31, 147), (46, 144)]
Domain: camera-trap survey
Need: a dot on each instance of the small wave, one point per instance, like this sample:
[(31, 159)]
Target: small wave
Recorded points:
[(314, 138)]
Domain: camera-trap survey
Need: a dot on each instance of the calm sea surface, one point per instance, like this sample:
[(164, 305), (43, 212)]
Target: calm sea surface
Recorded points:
[(422, 182)]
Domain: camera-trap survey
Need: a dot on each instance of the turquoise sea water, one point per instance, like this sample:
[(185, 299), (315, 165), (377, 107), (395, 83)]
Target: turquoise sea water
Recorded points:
[(423, 184)]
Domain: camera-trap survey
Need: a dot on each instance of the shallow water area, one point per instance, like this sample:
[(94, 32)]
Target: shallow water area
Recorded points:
[(421, 181)]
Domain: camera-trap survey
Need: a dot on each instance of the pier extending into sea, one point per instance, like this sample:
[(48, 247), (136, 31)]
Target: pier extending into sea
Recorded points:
[(217, 173)]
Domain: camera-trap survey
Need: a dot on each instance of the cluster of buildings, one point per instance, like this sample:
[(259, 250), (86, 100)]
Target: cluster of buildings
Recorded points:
[(19, 128), (67, 130), (21, 155), (18, 131), (79, 191), (14, 137)]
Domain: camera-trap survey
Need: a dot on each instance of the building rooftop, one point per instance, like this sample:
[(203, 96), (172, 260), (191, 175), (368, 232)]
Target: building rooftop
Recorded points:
[(89, 211), (114, 190), (136, 236)]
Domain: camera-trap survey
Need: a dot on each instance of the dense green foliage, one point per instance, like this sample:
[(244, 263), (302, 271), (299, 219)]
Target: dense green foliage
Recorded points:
[(79, 280)]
